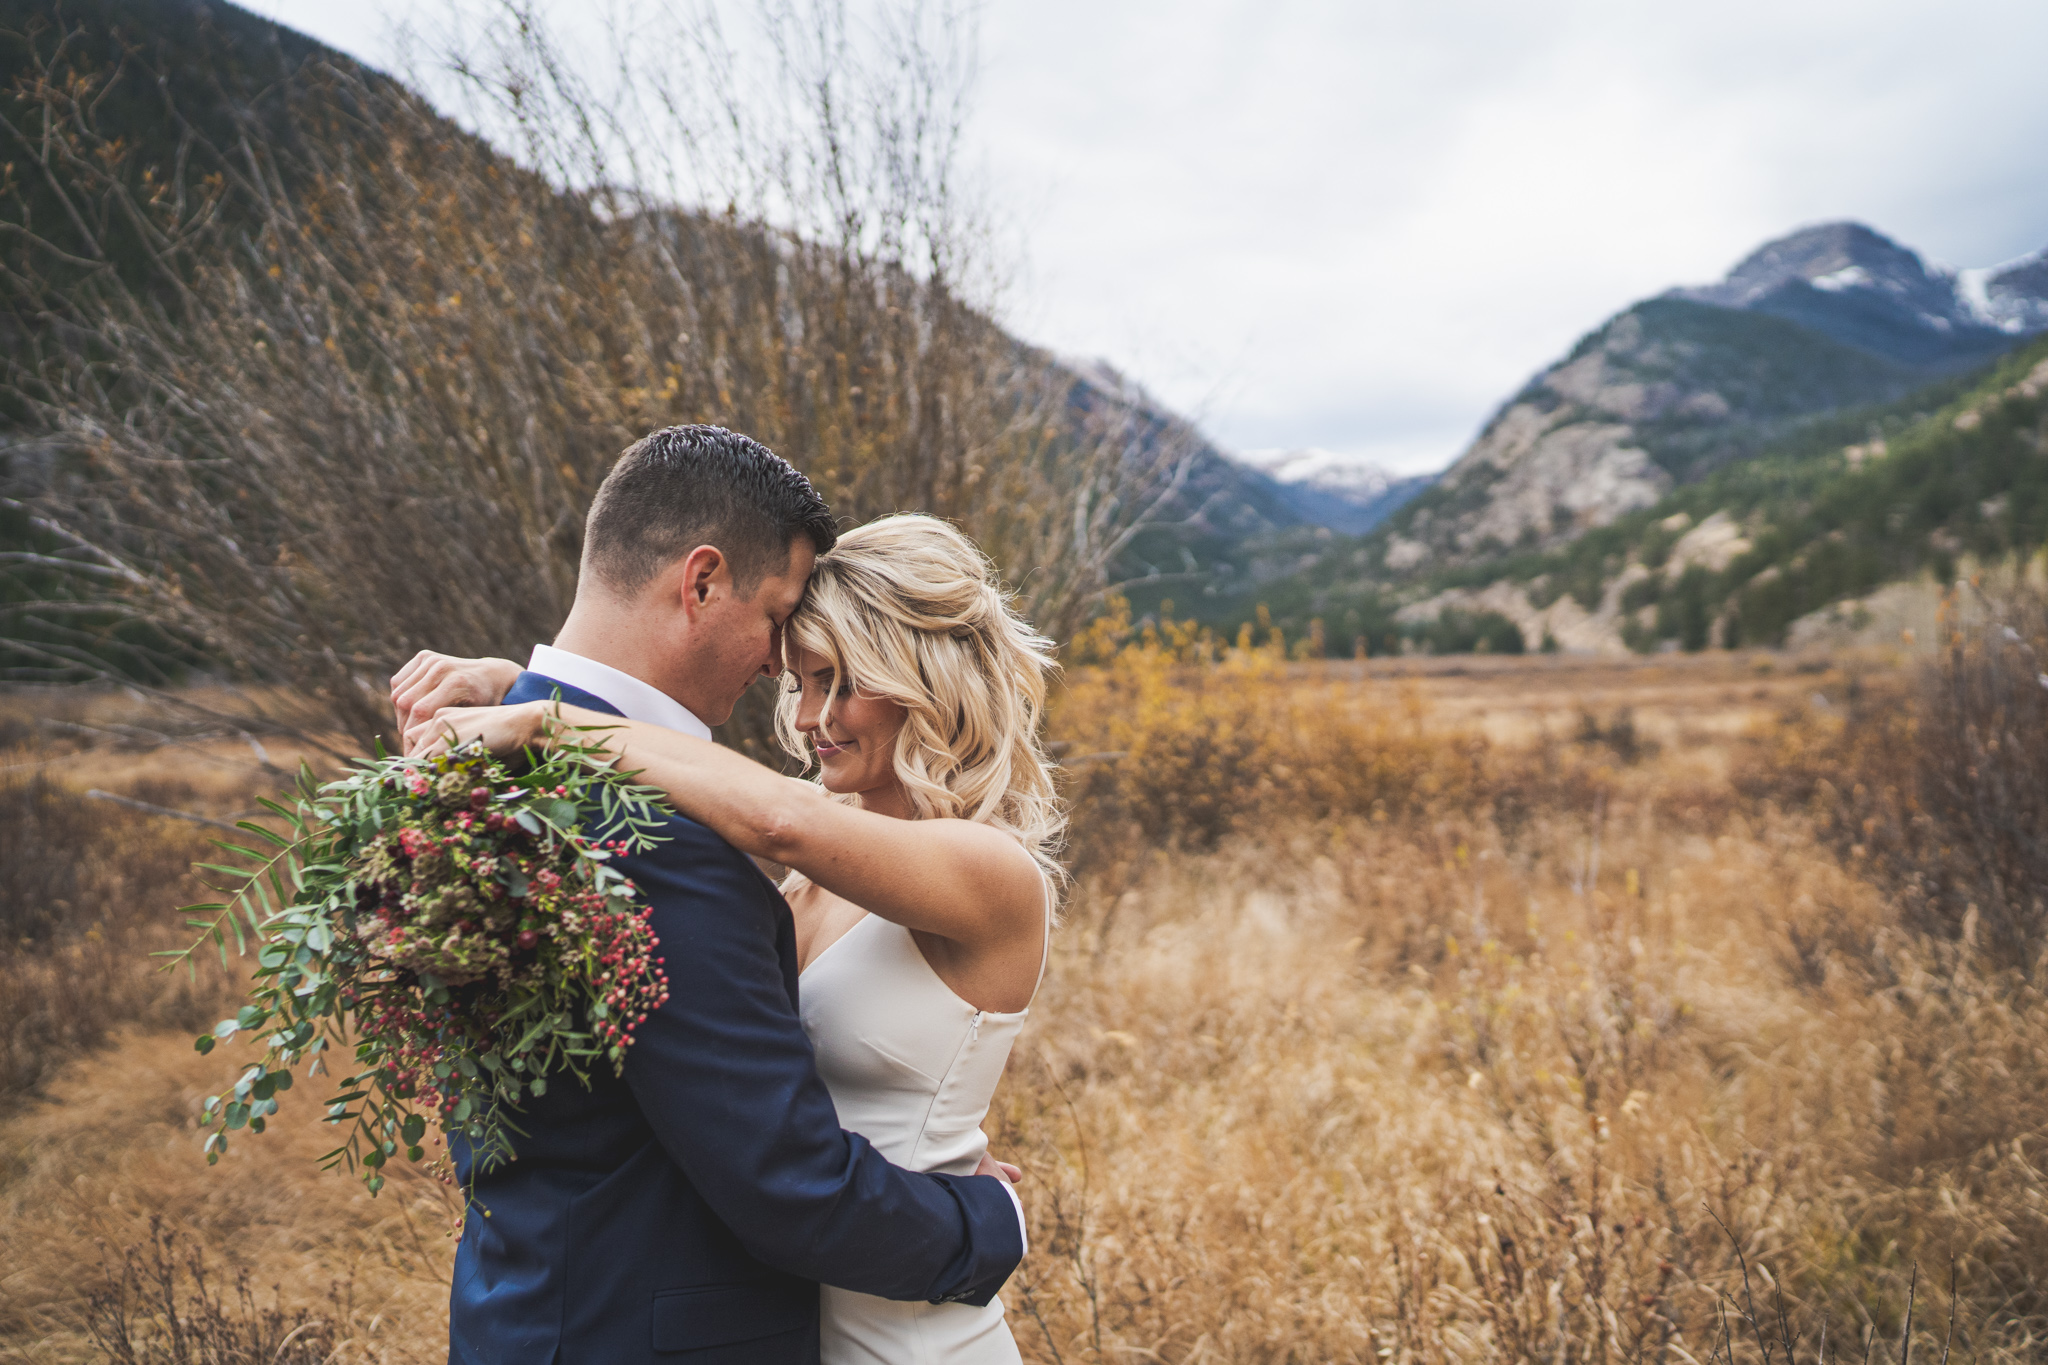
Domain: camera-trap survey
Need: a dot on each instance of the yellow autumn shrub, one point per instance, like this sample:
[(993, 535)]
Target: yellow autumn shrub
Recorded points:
[(1170, 733)]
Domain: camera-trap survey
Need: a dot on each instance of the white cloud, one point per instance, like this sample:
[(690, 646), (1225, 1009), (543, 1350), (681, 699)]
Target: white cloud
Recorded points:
[(1360, 226)]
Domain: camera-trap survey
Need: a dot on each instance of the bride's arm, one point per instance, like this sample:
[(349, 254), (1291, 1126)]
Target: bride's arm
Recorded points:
[(960, 880)]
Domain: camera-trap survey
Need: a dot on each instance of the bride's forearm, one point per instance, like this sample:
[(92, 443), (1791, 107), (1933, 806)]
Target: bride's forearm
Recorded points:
[(959, 879), (751, 807)]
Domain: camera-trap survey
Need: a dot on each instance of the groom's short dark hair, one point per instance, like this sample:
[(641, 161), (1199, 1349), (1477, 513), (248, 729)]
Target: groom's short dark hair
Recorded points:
[(681, 487)]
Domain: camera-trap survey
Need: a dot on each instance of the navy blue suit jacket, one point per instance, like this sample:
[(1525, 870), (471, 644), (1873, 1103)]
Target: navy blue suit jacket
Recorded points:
[(688, 1210)]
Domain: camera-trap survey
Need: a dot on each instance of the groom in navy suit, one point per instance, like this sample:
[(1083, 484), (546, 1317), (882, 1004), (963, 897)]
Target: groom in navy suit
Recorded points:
[(688, 1210)]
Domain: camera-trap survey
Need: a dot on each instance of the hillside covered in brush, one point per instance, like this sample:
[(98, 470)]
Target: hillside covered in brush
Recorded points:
[(298, 375)]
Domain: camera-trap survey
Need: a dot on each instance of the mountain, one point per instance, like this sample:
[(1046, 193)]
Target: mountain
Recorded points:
[(1846, 529), (1788, 451), (2013, 296), (1347, 493), (1865, 290), (1220, 504), (1673, 388), (1849, 530)]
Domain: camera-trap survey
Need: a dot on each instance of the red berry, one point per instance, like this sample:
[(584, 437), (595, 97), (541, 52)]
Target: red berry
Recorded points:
[(479, 797), (527, 938)]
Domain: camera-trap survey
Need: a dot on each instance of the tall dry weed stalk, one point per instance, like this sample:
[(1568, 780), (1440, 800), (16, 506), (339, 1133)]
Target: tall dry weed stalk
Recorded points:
[(336, 379)]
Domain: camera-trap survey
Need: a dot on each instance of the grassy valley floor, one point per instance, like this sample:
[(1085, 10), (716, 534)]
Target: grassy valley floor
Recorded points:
[(1494, 1041)]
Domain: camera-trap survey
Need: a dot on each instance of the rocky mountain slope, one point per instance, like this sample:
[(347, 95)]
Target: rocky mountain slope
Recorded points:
[(1673, 388), (1826, 536)]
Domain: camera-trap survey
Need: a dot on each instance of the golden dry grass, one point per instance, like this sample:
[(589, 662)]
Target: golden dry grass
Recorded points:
[(1368, 1089), (1422, 1047), (111, 1145)]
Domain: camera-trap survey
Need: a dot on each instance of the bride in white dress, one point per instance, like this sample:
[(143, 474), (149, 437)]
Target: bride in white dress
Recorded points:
[(923, 855)]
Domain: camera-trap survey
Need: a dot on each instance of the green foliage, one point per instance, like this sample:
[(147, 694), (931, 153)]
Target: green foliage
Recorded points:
[(1325, 583), (1470, 632), (1969, 479), (1686, 613), (1644, 592), (457, 1015)]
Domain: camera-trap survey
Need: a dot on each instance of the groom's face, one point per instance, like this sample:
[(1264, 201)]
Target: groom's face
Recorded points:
[(733, 638)]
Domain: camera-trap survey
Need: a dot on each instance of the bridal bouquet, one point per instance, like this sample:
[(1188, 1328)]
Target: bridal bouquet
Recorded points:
[(463, 931)]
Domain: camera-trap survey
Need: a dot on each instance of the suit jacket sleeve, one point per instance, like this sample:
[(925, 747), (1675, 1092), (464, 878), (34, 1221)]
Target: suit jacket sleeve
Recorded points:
[(726, 1077)]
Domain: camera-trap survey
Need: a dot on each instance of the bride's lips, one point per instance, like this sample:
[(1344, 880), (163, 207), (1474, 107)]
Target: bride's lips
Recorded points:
[(826, 748)]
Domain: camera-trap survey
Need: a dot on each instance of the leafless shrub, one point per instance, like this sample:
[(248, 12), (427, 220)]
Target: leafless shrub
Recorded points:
[(1940, 790), (360, 373), (1982, 770), (157, 1307)]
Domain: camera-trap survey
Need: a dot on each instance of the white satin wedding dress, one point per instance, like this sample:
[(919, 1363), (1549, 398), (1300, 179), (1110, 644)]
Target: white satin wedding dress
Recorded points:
[(911, 1067)]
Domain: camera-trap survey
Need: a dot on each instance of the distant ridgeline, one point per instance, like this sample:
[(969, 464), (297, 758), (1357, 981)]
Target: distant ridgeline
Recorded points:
[(1707, 467)]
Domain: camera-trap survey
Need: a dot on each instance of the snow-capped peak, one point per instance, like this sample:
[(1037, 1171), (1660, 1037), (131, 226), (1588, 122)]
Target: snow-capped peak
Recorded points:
[(2012, 297), (1848, 277), (1333, 471)]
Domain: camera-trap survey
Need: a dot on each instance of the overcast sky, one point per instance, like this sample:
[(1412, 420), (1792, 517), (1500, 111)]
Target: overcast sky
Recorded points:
[(1361, 224)]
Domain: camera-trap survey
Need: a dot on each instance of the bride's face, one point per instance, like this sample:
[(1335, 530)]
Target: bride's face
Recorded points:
[(856, 743)]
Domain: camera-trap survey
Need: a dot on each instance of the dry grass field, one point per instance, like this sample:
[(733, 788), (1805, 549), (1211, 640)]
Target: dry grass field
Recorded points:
[(1429, 1010)]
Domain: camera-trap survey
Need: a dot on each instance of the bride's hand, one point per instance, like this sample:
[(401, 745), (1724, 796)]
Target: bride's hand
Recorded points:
[(433, 682), (1001, 1170), (503, 729)]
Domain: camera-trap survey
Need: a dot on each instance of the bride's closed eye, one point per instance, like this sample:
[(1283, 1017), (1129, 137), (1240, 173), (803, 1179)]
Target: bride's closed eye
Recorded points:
[(795, 688)]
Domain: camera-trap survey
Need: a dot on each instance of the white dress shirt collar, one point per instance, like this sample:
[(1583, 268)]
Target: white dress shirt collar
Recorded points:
[(635, 699)]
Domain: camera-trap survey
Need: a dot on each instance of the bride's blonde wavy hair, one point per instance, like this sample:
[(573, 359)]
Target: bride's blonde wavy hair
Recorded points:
[(907, 608)]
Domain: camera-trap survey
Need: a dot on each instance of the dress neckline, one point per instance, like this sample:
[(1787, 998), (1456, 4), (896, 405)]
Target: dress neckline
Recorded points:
[(847, 933)]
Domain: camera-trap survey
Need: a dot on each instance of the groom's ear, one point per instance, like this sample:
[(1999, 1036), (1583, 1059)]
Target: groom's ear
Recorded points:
[(706, 573)]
